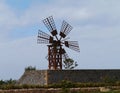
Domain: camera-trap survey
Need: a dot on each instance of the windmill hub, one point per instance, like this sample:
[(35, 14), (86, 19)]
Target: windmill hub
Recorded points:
[(56, 54), (56, 43)]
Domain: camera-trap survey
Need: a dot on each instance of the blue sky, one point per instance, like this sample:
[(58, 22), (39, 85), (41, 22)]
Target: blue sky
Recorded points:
[(96, 26), (19, 4)]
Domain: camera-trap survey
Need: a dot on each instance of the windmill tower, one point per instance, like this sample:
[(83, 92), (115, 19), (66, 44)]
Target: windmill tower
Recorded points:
[(56, 52)]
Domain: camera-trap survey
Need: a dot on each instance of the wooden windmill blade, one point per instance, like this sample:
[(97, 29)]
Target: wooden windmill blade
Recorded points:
[(50, 24), (44, 38), (72, 45), (65, 55), (65, 29)]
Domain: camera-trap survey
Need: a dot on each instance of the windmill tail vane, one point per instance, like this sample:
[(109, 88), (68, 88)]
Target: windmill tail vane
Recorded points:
[(56, 52)]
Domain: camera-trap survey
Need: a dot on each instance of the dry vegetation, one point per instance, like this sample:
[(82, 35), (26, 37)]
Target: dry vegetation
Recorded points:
[(11, 86)]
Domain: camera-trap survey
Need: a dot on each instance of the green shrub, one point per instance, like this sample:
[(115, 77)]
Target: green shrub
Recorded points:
[(29, 68)]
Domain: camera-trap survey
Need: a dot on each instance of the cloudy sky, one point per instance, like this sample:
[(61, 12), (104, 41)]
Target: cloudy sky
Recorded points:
[(96, 26)]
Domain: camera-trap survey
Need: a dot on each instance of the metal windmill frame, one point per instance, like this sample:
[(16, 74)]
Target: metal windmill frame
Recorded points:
[(56, 52)]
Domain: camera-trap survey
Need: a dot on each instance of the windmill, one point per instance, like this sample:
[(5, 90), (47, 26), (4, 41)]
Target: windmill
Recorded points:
[(56, 52)]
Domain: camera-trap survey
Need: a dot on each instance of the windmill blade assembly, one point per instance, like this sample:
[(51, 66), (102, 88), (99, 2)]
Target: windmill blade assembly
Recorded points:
[(44, 37), (65, 29), (72, 45), (50, 24), (56, 54), (65, 55)]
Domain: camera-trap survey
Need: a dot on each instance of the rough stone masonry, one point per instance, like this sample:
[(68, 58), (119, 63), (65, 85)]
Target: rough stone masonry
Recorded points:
[(46, 77)]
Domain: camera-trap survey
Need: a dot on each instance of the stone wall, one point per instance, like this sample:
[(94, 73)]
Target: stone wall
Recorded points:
[(34, 77), (45, 77), (83, 75)]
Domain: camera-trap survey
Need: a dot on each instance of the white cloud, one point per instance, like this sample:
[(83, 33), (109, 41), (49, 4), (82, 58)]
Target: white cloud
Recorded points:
[(83, 11)]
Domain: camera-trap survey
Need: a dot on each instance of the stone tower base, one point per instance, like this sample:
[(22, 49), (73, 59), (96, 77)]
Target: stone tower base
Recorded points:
[(46, 77)]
